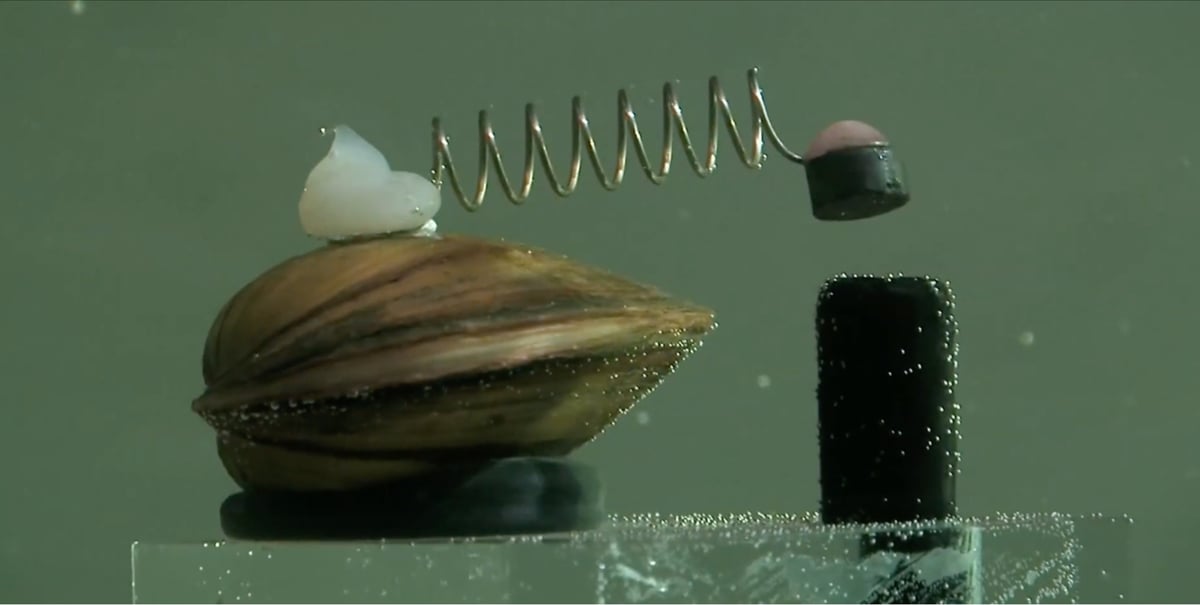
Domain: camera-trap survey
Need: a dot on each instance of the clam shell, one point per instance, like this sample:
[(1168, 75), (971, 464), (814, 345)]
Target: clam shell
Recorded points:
[(358, 364)]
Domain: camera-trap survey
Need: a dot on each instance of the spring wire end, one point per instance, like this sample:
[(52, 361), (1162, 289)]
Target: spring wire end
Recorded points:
[(583, 142)]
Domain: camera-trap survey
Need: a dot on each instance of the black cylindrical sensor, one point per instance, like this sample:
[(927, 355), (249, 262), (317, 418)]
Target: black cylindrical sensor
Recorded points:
[(889, 423), (853, 173), (855, 183)]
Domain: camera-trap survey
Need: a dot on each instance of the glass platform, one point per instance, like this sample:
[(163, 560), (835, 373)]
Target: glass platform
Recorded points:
[(761, 558)]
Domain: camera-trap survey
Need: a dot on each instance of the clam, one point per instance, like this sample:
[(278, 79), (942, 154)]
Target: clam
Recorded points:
[(395, 352)]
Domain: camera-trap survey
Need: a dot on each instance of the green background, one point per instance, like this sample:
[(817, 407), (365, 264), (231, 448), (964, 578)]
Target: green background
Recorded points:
[(152, 155)]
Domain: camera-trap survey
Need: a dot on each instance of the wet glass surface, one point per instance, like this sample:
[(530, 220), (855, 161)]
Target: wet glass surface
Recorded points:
[(757, 558)]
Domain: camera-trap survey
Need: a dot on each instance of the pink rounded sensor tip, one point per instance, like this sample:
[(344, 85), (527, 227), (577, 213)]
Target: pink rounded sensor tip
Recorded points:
[(840, 135)]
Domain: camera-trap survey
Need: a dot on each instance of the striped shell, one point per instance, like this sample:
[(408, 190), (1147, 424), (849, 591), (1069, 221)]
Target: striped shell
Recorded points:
[(362, 363)]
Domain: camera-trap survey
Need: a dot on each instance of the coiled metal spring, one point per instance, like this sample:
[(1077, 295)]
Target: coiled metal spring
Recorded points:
[(582, 139)]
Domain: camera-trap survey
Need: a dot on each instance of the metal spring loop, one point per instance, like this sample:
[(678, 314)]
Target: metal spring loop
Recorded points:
[(581, 136)]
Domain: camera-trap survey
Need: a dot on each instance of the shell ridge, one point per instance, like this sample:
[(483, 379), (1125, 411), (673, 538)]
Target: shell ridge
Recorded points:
[(344, 296), (220, 397), (341, 337), (353, 426)]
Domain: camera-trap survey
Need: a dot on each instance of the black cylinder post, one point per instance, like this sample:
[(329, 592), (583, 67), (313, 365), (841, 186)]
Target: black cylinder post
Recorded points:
[(889, 431), (889, 424)]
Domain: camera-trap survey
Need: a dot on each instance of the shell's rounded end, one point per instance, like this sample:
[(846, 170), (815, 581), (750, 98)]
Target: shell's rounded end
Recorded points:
[(353, 193), (844, 135), (853, 173)]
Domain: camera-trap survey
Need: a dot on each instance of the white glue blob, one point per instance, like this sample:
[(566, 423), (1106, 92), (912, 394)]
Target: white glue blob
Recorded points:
[(352, 192)]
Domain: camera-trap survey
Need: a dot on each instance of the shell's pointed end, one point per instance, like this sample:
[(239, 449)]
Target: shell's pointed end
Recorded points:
[(353, 193), (853, 173)]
